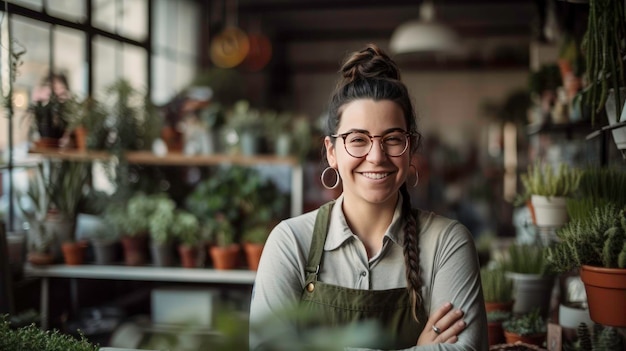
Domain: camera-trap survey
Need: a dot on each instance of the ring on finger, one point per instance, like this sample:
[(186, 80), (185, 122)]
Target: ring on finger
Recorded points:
[(436, 330)]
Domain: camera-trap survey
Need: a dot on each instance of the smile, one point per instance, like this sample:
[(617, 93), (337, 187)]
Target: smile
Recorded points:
[(375, 175)]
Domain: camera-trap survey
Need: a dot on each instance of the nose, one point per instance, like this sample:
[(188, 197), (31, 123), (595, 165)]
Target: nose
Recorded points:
[(376, 153)]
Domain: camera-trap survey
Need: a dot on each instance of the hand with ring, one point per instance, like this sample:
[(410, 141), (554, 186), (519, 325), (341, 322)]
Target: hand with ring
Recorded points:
[(443, 326)]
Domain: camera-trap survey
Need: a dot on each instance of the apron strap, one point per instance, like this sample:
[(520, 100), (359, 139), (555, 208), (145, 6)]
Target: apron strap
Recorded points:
[(320, 230)]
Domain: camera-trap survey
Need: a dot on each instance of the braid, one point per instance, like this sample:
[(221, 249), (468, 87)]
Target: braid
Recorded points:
[(411, 252)]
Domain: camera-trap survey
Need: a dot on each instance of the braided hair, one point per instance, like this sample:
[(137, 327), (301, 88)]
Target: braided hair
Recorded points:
[(371, 74)]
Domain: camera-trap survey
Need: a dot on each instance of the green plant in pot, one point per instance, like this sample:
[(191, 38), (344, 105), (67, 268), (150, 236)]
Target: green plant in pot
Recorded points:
[(525, 265), (161, 239), (224, 249), (246, 122), (596, 244), (547, 189), (186, 228), (90, 125), (528, 328), (497, 289), (604, 338)]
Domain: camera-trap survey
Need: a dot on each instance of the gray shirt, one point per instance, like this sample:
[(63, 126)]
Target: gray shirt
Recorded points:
[(448, 261)]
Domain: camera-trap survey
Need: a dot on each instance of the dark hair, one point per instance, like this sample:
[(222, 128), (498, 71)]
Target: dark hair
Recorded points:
[(371, 74)]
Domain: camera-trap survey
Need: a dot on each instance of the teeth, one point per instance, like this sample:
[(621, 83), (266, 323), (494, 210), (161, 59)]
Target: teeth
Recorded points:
[(376, 175)]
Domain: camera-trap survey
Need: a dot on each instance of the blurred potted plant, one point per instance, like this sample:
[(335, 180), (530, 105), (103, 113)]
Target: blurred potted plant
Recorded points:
[(186, 228), (548, 190), (246, 122), (223, 248), (90, 125), (525, 265), (596, 244), (253, 242), (31, 337), (527, 328), (161, 219), (498, 295)]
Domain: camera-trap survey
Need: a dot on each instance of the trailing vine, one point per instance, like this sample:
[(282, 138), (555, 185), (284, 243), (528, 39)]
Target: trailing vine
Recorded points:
[(604, 46)]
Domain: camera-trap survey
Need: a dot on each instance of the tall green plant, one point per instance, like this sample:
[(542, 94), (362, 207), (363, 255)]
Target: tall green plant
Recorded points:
[(496, 286), (524, 258)]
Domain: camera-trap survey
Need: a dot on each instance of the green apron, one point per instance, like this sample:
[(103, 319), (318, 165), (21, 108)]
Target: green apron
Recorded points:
[(338, 306)]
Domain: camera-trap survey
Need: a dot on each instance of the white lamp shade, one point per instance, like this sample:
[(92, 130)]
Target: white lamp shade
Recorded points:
[(422, 36)]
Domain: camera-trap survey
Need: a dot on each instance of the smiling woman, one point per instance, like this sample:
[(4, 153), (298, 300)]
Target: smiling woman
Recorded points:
[(368, 256)]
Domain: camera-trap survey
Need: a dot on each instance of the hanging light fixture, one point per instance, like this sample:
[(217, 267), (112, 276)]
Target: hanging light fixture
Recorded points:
[(424, 35)]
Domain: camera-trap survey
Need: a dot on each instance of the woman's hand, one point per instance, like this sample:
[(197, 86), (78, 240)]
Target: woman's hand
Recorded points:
[(443, 326)]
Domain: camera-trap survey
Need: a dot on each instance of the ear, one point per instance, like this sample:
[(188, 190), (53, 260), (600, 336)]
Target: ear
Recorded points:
[(330, 152)]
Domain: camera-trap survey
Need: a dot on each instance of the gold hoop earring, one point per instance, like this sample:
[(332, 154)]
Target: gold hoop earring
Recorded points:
[(337, 178), (417, 176)]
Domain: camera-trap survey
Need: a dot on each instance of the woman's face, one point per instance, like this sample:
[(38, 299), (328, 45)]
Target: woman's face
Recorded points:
[(376, 177)]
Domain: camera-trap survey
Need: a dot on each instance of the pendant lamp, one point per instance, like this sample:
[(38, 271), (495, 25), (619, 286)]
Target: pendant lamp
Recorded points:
[(424, 35)]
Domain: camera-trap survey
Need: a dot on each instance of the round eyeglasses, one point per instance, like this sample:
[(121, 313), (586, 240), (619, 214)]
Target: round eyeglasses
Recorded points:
[(359, 144)]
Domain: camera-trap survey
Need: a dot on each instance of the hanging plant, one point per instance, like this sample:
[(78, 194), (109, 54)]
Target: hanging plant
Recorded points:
[(604, 46)]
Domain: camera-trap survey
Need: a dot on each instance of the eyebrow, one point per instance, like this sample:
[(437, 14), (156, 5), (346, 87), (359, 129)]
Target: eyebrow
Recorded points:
[(368, 133)]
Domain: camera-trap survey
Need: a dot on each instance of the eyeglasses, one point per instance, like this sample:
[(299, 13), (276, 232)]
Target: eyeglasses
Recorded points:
[(359, 144)]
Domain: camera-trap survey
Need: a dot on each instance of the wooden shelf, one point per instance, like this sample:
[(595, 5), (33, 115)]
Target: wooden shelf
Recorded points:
[(170, 159)]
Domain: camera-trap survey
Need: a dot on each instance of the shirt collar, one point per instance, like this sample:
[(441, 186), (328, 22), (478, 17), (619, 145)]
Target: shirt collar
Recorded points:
[(339, 231)]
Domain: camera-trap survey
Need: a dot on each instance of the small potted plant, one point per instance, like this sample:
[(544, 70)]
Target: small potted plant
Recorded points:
[(186, 228), (533, 282), (223, 248), (160, 221), (548, 189), (253, 242), (603, 338), (498, 294), (596, 244), (528, 328)]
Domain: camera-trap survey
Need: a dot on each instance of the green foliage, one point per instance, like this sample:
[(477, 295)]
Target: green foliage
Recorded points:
[(222, 232), (595, 240), (496, 286), (603, 184), (241, 195), (498, 316), (257, 234), (65, 183), (142, 214), (524, 258), (92, 115), (541, 179), (186, 227), (603, 46), (526, 324), (32, 338)]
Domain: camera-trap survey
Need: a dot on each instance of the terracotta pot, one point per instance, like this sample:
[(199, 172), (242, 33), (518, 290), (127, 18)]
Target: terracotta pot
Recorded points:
[(499, 306), (495, 333), (532, 339), (80, 137), (225, 257), (135, 248), (188, 256), (529, 204), (73, 253), (253, 254), (606, 294)]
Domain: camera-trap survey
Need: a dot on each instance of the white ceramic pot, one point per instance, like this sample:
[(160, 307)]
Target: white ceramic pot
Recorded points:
[(550, 211), (570, 316)]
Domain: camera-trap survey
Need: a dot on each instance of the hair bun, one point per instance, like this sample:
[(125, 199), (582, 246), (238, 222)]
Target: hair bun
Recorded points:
[(370, 62)]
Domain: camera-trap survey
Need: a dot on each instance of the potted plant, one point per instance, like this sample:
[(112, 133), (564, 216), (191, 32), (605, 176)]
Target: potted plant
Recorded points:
[(525, 265), (498, 295), (223, 248), (161, 219), (246, 122), (31, 337), (548, 190), (595, 244), (186, 228), (253, 242), (527, 328), (90, 125)]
